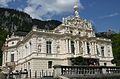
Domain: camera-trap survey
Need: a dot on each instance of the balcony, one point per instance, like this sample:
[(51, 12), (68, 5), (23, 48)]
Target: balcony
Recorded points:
[(10, 64)]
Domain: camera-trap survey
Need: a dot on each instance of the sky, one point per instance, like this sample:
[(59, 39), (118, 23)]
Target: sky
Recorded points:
[(104, 14)]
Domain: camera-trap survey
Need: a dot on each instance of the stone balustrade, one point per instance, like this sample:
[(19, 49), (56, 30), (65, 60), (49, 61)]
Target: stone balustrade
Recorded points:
[(85, 70)]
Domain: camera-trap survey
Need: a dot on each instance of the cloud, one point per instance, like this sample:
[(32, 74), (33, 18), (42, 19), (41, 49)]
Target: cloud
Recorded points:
[(4, 3), (47, 8), (110, 15), (114, 14)]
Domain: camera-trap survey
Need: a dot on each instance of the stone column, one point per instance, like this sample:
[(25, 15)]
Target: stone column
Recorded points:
[(75, 45), (111, 54), (85, 47), (92, 48), (78, 44), (69, 46), (43, 46), (34, 45), (54, 49), (95, 51), (3, 57)]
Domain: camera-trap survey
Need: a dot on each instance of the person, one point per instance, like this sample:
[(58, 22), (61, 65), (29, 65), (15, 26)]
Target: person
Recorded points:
[(2, 75)]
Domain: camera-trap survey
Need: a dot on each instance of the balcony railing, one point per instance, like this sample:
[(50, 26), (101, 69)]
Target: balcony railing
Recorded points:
[(10, 64)]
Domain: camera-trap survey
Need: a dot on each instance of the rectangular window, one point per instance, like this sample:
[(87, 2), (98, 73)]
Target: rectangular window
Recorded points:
[(12, 57), (88, 48), (48, 47), (102, 51), (72, 47), (49, 64)]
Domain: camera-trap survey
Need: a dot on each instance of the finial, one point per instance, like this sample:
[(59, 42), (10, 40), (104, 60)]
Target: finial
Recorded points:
[(63, 20), (66, 21), (76, 11), (85, 20), (34, 28), (75, 8), (68, 17)]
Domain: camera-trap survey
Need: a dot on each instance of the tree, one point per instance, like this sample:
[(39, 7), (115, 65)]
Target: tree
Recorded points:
[(116, 48), (3, 35)]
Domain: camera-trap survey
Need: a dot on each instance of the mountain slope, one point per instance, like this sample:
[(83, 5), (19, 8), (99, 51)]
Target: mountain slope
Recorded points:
[(12, 20)]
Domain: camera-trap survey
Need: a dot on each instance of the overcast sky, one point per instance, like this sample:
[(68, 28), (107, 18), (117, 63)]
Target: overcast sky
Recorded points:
[(104, 14)]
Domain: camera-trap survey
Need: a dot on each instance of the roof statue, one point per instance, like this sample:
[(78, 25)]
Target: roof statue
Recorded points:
[(76, 11)]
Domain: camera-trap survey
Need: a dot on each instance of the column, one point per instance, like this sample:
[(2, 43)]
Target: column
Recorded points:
[(43, 46), (66, 45), (34, 45), (3, 61), (75, 45), (78, 44), (69, 46), (85, 47), (95, 52), (92, 48)]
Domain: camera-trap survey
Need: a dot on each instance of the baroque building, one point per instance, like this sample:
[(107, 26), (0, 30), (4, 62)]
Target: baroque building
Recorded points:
[(42, 49)]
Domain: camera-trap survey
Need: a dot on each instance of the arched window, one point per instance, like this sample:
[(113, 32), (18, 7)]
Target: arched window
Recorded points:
[(39, 48), (72, 47), (102, 51), (48, 47)]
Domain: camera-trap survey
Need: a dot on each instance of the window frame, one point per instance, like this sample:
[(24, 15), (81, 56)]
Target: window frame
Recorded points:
[(50, 64), (48, 47)]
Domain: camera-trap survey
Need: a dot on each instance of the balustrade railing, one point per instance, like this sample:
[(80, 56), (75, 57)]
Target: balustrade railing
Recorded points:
[(86, 70)]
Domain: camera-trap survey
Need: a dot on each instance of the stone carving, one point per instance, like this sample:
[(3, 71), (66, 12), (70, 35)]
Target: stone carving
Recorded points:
[(76, 11), (63, 20)]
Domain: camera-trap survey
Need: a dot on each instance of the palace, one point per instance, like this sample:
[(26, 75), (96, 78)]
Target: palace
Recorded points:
[(42, 49)]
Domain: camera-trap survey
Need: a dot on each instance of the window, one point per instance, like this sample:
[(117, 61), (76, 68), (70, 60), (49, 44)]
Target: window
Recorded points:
[(71, 32), (12, 57), (39, 48), (97, 50), (102, 51), (48, 47), (28, 65), (72, 47), (12, 42), (49, 64), (88, 48), (105, 64)]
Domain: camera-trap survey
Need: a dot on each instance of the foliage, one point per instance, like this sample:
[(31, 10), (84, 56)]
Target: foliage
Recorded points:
[(14, 21), (78, 60), (116, 48), (3, 35)]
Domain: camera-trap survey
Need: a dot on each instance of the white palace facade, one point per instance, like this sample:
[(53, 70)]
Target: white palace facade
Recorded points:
[(42, 49)]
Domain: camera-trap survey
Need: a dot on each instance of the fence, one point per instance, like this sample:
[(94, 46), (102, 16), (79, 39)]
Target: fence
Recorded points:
[(41, 74), (17, 75), (85, 70), (70, 71)]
